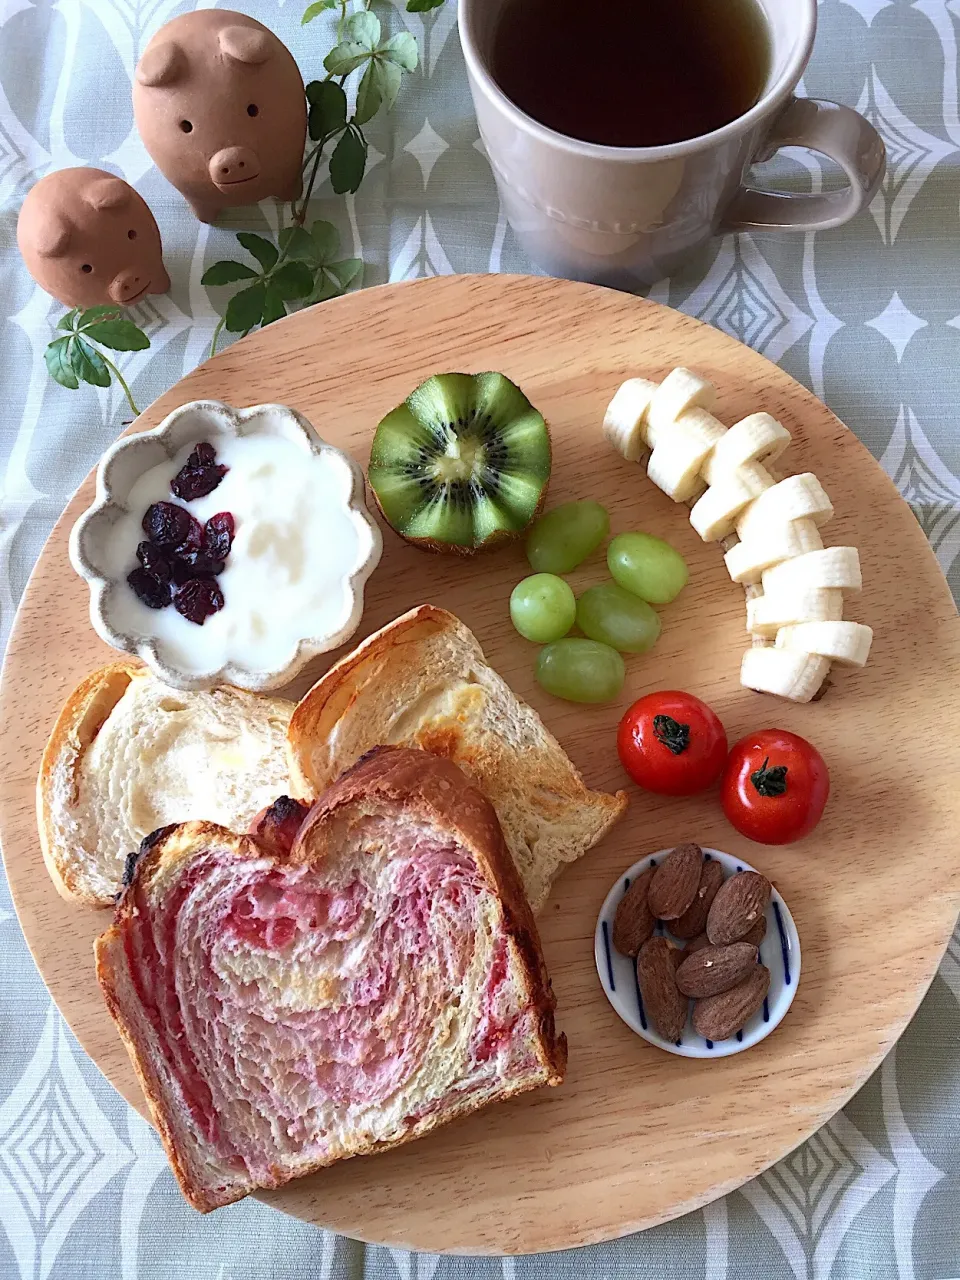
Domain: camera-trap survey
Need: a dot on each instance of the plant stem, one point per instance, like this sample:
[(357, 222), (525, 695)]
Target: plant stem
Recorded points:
[(216, 336), (122, 380), (317, 155)]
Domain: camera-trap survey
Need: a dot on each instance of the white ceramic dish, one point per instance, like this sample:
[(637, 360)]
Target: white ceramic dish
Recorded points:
[(302, 599), (779, 951)]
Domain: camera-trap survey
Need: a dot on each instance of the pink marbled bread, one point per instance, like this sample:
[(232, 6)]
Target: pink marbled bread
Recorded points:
[(288, 1010)]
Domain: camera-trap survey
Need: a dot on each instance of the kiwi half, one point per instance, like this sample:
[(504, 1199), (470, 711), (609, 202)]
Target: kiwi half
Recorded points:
[(462, 464)]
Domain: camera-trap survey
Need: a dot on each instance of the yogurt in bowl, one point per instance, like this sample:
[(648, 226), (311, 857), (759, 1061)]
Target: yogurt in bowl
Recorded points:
[(292, 583)]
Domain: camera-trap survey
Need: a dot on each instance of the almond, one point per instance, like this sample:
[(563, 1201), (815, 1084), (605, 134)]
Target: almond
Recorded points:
[(721, 1016), (714, 969), (694, 918), (634, 924), (757, 933), (665, 1007), (674, 886), (696, 944), (740, 902)]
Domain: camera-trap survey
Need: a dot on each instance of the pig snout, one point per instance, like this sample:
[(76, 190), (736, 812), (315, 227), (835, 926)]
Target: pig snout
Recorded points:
[(127, 285), (233, 164)]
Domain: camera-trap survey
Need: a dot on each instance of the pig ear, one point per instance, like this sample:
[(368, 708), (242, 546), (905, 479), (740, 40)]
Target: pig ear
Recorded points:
[(51, 235), (162, 64), (245, 44), (107, 193)]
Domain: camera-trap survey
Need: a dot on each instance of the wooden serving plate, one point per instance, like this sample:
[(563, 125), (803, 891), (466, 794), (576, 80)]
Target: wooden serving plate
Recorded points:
[(634, 1136)]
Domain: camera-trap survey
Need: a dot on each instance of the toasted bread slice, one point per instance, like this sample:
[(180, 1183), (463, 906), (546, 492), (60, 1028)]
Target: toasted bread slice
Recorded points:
[(382, 978), (422, 681), (128, 754)]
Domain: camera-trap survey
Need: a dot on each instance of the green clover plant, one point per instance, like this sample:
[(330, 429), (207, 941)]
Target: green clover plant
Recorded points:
[(302, 267), (77, 355)]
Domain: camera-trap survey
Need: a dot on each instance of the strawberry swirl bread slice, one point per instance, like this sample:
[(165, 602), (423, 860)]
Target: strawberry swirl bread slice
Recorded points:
[(285, 1010)]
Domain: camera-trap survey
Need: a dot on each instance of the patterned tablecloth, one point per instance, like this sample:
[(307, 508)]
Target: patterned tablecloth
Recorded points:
[(867, 317)]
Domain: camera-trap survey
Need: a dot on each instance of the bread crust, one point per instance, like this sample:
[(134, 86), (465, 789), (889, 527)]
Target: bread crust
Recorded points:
[(404, 779), (81, 718), (387, 655), (79, 722)]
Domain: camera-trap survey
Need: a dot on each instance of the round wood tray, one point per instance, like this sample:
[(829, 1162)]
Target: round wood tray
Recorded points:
[(634, 1136)]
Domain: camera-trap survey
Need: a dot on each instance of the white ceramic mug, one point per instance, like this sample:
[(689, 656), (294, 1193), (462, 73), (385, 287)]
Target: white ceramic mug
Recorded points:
[(626, 216)]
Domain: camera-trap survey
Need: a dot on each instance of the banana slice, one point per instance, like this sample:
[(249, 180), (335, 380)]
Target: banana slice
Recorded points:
[(788, 673), (715, 513), (624, 421), (845, 642), (757, 438), (747, 560), (678, 455), (768, 613), (679, 392), (832, 567), (796, 498)]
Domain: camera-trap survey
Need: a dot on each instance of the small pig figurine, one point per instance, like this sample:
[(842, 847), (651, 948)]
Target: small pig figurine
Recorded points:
[(88, 238), (220, 106)]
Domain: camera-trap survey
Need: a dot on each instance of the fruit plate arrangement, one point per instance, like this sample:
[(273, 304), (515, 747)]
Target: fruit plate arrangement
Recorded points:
[(634, 1136)]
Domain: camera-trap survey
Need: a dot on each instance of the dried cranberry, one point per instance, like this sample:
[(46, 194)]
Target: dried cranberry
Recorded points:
[(196, 482), (203, 455), (198, 599), (167, 524), (218, 535), (150, 590), (155, 560), (195, 565), (190, 543)]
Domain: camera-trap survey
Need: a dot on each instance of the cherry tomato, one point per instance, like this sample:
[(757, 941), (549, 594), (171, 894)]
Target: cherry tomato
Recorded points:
[(672, 743), (774, 787)]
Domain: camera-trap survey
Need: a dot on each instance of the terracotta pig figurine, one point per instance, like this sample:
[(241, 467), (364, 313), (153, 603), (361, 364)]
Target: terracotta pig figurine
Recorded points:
[(89, 239), (219, 102)]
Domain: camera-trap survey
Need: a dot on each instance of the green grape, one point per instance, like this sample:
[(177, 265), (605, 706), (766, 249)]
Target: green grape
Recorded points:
[(580, 670), (565, 536), (542, 608), (616, 617), (647, 566)]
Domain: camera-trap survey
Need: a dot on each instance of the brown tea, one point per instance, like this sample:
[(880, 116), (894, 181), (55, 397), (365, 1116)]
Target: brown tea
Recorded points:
[(632, 73)]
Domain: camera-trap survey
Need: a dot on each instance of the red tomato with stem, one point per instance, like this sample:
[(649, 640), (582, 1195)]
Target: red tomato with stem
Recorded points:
[(672, 743), (775, 786)]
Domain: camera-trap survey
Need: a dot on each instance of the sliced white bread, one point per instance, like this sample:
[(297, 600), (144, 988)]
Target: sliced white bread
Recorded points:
[(128, 755), (422, 681), (382, 978)]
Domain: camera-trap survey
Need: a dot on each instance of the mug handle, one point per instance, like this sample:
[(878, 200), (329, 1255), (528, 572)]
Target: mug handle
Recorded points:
[(838, 132)]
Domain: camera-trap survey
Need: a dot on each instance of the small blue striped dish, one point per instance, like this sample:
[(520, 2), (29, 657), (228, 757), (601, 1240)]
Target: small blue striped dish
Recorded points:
[(779, 951)]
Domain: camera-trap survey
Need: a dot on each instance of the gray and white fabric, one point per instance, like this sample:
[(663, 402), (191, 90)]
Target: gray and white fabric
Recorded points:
[(868, 317)]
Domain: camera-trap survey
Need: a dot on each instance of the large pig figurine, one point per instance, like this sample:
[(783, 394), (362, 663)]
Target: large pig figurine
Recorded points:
[(88, 238), (220, 105)]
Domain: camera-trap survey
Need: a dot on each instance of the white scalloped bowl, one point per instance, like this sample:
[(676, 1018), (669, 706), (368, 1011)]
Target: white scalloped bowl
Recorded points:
[(240, 645)]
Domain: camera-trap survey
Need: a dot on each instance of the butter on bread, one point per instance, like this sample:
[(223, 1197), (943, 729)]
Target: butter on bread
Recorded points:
[(128, 754), (422, 681), (380, 979)]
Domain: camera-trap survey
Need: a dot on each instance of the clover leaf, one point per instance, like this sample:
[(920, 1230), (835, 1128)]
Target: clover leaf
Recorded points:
[(361, 33), (319, 6), (298, 244), (76, 356), (293, 280), (227, 273), (245, 309), (264, 252), (58, 358), (348, 162), (400, 49), (328, 109)]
